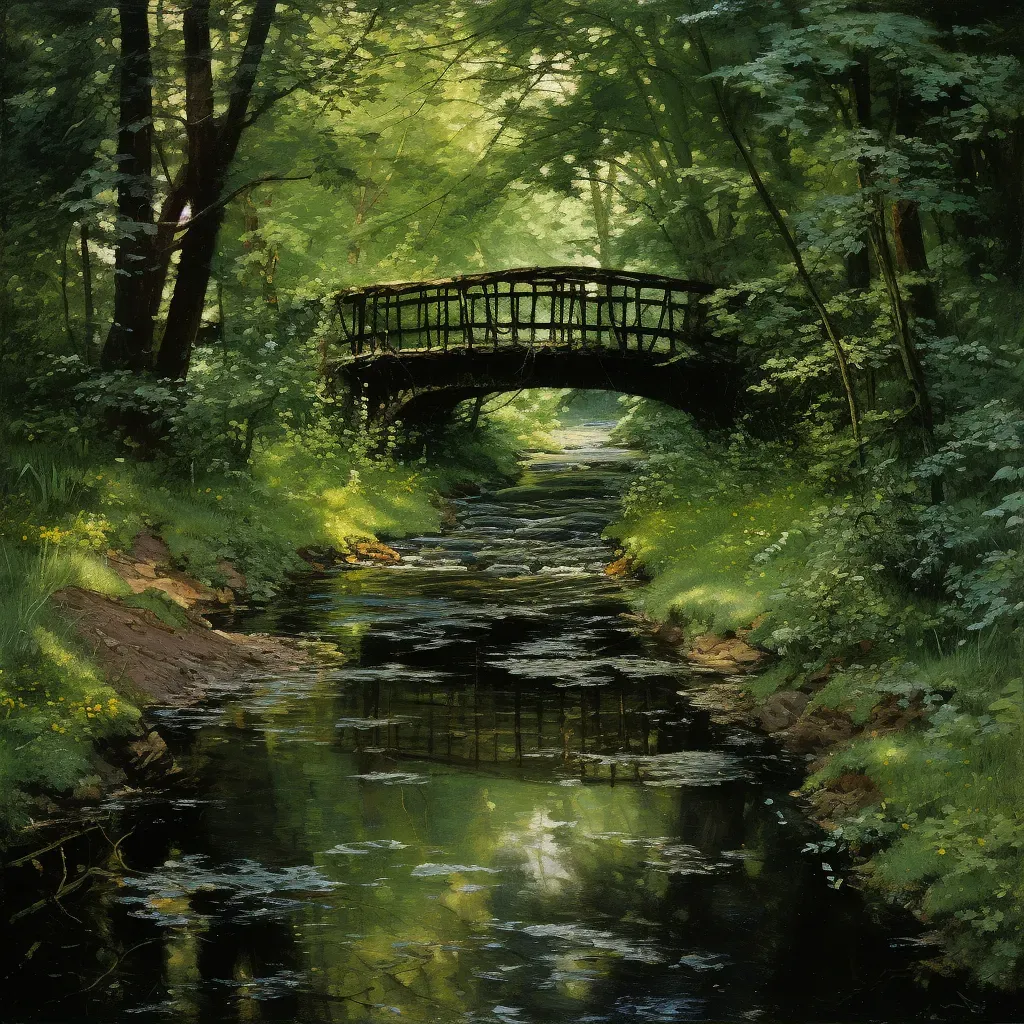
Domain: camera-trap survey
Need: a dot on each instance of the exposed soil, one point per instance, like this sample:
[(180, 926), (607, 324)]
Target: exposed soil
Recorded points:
[(148, 567), (154, 662)]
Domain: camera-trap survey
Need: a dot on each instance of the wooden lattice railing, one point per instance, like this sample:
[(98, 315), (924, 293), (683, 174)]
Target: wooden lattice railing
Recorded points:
[(567, 306)]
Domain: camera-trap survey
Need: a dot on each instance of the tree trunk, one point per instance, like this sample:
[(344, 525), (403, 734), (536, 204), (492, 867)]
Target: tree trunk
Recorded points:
[(878, 237), (858, 264), (265, 265), (858, 270), (189, 298), (828, 327), (90, 307), (478, 405), (167, 226), (912, 258), (129, 344), (212, 148), (601, 200)]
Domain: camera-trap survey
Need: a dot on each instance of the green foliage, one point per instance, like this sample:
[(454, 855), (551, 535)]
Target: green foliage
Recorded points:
[(839, 593), (698, 516), (306, 482), (948, 825)]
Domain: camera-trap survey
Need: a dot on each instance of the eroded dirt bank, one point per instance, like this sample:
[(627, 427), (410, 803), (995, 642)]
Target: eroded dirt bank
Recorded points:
[(799, 726), (175, 656)]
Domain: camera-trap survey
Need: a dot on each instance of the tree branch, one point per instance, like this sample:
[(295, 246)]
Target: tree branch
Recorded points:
[(222, 202)]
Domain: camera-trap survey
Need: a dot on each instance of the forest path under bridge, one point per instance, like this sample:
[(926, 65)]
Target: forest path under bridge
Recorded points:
[(413, 351)]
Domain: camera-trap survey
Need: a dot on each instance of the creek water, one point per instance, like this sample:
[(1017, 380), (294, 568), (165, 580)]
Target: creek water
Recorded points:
[(506, 805)]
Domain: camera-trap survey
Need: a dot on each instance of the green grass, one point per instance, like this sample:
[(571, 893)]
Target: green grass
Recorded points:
[(54, 704), (700, 551), (949, 829)]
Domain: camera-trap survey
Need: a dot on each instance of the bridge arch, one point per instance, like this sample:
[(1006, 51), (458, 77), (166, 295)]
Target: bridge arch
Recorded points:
[(412, 351)]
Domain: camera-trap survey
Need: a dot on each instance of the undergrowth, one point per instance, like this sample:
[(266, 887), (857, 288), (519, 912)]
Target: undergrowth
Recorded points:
[(64, 507), (735, 533)]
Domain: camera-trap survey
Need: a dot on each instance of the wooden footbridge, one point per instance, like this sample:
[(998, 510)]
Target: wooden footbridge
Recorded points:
[(413, 351)]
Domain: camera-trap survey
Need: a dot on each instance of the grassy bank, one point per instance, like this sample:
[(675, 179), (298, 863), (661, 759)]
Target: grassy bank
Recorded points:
[(736, 533), (63, 508)]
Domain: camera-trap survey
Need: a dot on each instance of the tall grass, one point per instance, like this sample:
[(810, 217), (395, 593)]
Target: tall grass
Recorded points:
[(28, 578)]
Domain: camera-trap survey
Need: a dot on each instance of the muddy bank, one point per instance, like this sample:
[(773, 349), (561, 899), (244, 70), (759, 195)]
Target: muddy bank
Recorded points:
[(160, 648), (153, 662), (788, 716)]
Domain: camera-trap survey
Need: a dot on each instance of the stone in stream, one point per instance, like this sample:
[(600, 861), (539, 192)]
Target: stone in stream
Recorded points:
[(552, 493), (474, 522), (447, 543), (544, 533), (498, 569)]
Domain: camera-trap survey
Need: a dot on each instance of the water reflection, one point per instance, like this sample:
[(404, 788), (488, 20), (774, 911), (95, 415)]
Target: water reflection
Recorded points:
[(501, 808)]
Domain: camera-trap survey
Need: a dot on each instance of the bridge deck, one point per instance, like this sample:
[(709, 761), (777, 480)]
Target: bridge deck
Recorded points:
[(567, 306)]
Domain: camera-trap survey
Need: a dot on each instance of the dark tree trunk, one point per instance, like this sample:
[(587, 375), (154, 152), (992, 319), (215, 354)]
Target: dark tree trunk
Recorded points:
[(908, 234), (212, 148), (129, 344), (90, 307), (858, 264), (212, 145), (167, 225), (858, 270), (478, 405), (189, 298), (912, 258)]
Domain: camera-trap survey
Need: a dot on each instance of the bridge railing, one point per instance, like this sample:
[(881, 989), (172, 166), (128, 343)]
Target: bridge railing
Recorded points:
[(566, 306)]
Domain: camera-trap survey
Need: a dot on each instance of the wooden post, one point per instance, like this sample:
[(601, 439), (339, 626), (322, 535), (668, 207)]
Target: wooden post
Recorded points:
[(349, 336), (639, 321), (656, 337), (447, 316), (490, 317), (616, 333), (467, 330), (572, 311), (375, 333)]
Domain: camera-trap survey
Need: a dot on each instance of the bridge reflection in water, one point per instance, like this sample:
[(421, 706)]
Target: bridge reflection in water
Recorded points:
[(616, 731)]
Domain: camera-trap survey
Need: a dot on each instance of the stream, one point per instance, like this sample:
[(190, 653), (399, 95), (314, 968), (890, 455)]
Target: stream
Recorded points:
[(508, 804)]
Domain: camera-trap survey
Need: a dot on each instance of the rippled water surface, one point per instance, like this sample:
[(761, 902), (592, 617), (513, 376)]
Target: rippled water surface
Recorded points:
[(504, 806)]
